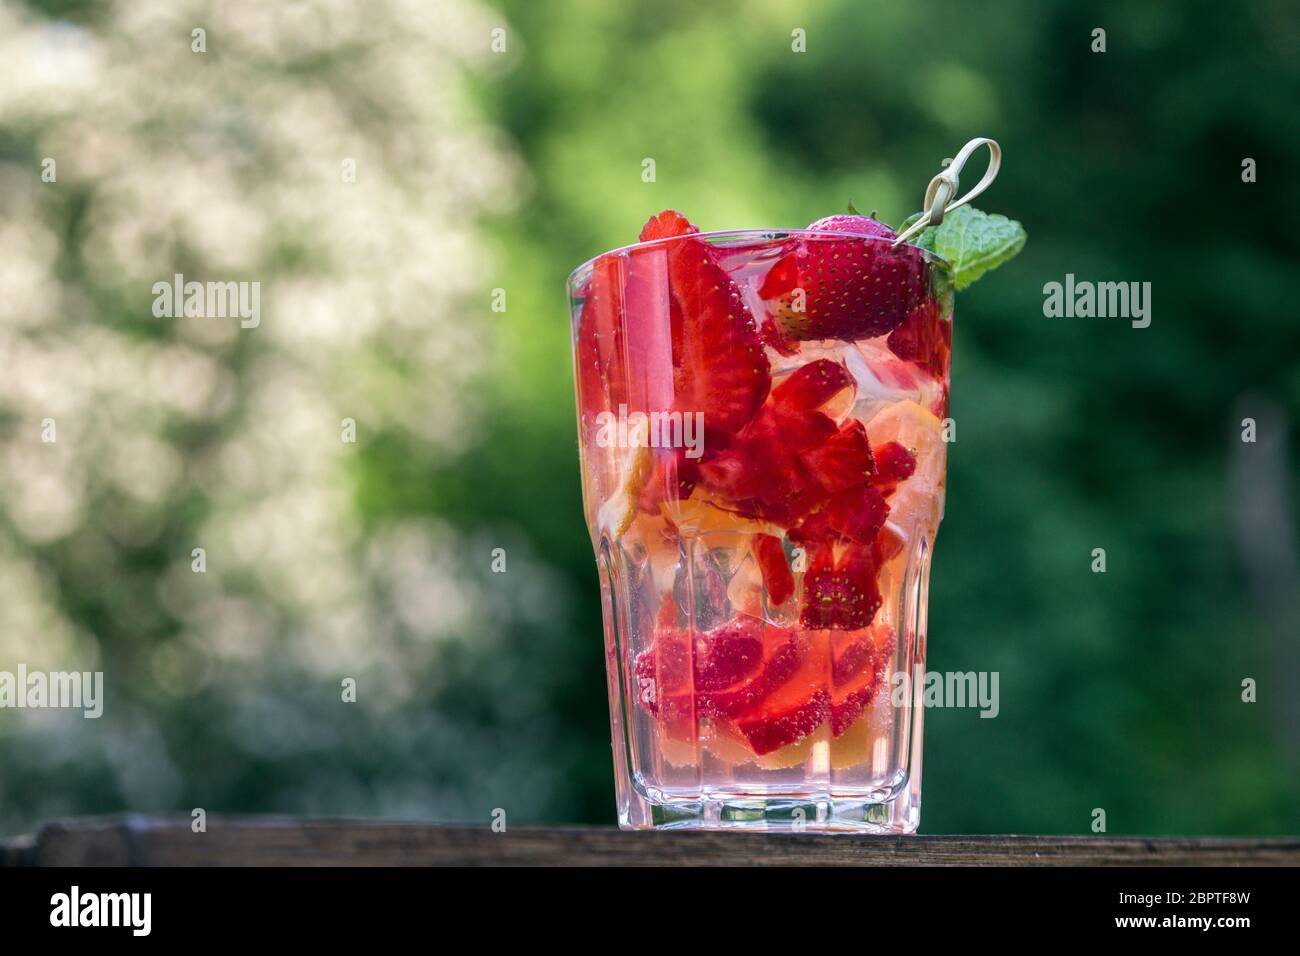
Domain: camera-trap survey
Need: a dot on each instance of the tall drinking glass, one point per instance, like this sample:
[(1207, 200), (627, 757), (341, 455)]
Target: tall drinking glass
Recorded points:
[(761, 434)]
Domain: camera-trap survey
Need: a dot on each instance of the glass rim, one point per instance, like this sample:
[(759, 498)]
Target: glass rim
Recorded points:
[(720, 236)]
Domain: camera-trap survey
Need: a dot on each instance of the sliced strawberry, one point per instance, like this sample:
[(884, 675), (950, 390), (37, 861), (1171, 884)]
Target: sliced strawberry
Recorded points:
[(782, 653), (785, 721), (849, 702), (852, 288), (778, 581), (771, 336), (625, 349), (812, 385), (840, 593), (762, 472), (600, 336), (853, 652), (854, 224), (663, 329), (924, 338), (735, 667), (730, 472), (661, 672), (731, 654), (857, 671), (649, 348), (844, 460), (794, 710), (894, 463), (854, 515), (799, 431), (719, 366), (781, 279), (837, 677), (791, 457), (667, 224)]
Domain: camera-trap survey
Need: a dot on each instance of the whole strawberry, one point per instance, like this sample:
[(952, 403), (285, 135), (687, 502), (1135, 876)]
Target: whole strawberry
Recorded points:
[(854, 223), (854, 288)]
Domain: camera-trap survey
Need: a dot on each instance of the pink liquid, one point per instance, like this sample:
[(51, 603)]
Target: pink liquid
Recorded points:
[(737, 700)]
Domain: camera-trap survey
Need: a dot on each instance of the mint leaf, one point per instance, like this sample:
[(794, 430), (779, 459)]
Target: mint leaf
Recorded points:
[(973, 241)]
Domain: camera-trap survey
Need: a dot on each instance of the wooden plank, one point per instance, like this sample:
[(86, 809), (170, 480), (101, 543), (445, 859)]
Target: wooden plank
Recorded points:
[(164, 841)]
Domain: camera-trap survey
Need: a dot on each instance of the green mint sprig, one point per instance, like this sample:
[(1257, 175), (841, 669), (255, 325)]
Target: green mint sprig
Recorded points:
[(974, 242)]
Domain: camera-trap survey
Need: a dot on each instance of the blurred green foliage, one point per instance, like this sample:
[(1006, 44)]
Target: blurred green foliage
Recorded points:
[(1119, 690)]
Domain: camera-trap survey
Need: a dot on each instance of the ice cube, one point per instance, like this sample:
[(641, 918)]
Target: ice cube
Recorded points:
[(883, 379)]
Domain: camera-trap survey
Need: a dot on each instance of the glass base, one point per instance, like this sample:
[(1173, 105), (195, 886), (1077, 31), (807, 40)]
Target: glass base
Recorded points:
[(776, 814)]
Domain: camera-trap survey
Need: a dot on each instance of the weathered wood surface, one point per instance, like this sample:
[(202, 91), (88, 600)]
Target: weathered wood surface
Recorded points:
[(169, 841)]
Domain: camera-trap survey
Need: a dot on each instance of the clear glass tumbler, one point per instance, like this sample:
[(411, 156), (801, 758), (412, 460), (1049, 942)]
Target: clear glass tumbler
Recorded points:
[(761, 432)]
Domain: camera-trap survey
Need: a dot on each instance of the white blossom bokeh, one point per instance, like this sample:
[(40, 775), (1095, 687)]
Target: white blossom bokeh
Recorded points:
[(180, 433)]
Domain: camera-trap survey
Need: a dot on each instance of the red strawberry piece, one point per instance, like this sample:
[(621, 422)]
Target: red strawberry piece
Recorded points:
[(894, 462), (720, 367), (735, 666), (649, 339), (718, 363), (840, 593), (729, 655), (795, 431), (662, 672), (778, 581), (667, 224), (857, 514), (795, 709), (762, 472), (782, 278), (784, 507), (785, 721), (852, 288), (812, 385), (924, 338), (782, 653), (854, 515), (848, 703), (854, 224), (857, 670), (625, 347), (853, 652), (645, 682), (844, 460), (600, 343), (663, 328), (663, 667), (730, 472), (771, 336), (939, 407)]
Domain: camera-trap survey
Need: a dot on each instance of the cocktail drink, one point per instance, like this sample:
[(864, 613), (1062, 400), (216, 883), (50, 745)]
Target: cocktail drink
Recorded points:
[(762, 442), (762, 422)]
